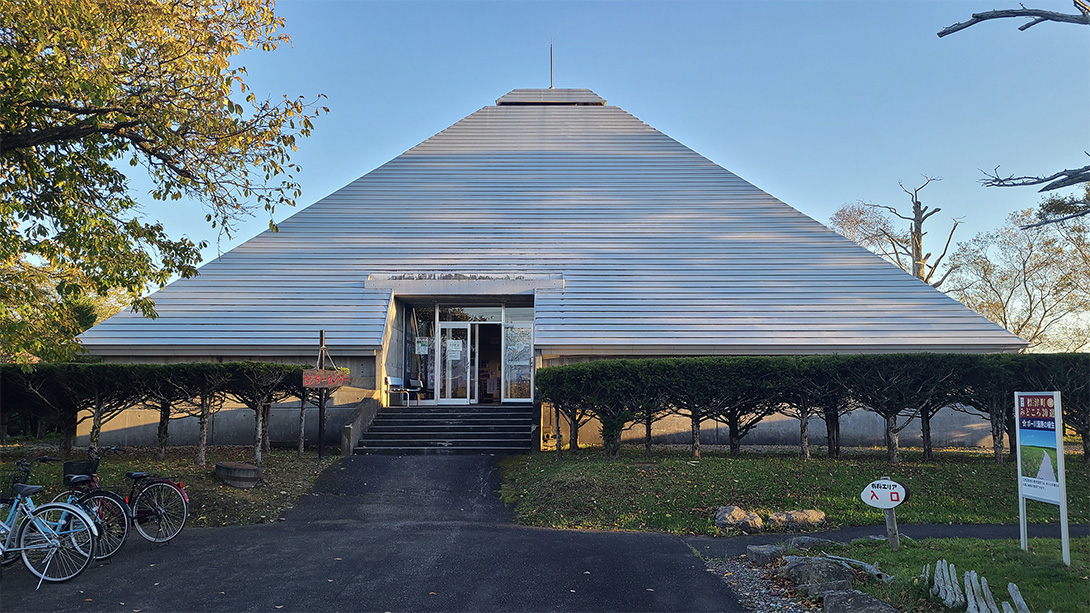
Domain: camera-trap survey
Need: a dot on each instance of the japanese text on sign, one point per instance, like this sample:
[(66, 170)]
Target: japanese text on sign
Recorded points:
[(884, 494), (320, 378)]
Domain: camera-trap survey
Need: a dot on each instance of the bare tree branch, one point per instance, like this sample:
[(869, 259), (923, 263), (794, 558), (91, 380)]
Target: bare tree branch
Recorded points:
[(1038, 15), (1064, 178), (1059, 219), (942, 255)]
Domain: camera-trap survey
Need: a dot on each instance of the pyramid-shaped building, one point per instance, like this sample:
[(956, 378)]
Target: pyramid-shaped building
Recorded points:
[(546, 228)]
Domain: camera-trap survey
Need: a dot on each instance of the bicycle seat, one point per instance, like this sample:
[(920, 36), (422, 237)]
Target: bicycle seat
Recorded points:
[(23, 489), (77, 479), (134, 476)]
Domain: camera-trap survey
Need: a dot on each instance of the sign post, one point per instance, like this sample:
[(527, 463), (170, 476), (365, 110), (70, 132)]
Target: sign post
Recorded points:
[(1040, 446), (886, 495), (323, 379)]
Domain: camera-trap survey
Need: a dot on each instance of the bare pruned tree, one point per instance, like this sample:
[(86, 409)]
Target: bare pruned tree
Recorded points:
[(865, 224), (1058, 180)]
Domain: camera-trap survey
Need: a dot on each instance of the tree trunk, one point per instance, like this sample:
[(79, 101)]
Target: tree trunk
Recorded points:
[(68, 433), (202, 438), (611, 440), (556, 431), (892, 440), (257, 435), (735, 439), (804, 435), (302, 424), (164, 427), (1085, 449), (1010, 425), (647, 435), (573, 434), (266, 413), (925, 432), (832, 431), (96, 426), (996, 418), (696, 435)]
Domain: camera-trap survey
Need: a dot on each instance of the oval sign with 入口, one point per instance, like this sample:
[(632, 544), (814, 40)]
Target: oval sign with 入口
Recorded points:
[(884, 494)]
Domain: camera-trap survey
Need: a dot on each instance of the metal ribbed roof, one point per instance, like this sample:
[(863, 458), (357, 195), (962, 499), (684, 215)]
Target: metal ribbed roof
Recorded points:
[(551, 96), (660, 251)]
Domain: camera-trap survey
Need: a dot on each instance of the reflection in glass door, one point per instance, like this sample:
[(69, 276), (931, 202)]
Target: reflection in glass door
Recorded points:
[(453, 363), (518, 362)]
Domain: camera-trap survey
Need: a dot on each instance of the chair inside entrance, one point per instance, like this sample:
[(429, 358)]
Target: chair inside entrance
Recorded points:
[(395, 386)]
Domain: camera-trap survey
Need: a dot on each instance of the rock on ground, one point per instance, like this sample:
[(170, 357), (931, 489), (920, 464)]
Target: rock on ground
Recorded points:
[(809, 542), (737, 517), (854, 601), (802, 570), (796, 520), (762, 555)]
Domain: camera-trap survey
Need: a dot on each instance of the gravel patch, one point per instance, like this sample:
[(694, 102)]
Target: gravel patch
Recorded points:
[(755, 587)]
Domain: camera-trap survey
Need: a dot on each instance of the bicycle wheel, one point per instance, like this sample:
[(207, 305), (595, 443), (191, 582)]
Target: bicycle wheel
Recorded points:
[(9, 556), (67, 496), (56, 542), (111, 515), (159, 512)]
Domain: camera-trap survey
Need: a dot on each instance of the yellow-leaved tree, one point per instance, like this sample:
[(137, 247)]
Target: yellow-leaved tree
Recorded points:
[(91, 87)]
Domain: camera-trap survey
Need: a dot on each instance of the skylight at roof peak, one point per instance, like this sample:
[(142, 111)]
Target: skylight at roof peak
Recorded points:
[(577, 97)]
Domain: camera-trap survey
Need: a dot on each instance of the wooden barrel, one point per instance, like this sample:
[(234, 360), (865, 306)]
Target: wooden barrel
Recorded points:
[(238, 474)]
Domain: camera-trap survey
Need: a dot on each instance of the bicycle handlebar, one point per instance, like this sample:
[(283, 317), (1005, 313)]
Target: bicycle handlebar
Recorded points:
[(96, 453), (25, 465)]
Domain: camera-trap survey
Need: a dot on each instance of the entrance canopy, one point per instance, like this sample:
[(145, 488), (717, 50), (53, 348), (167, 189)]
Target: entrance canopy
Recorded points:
[(626, 241)]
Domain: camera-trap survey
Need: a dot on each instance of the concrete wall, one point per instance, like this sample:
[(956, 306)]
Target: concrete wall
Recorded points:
[(233, 426)]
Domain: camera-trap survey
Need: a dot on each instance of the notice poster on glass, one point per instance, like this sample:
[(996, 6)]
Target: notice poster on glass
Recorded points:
[(454, 350), (1040, 449)]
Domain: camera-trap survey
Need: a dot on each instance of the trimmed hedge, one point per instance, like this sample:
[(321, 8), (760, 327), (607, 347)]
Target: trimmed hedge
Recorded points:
[(57, 396), (740, 391)]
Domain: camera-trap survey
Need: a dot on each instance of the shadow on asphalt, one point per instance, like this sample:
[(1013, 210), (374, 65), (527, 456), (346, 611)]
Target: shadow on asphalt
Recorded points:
[(387, 533)]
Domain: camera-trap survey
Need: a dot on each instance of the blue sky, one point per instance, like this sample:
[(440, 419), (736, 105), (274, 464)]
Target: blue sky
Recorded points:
[(818, 103)]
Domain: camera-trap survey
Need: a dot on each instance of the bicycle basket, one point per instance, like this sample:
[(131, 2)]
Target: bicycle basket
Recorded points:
[(78, 467), (7, 485)]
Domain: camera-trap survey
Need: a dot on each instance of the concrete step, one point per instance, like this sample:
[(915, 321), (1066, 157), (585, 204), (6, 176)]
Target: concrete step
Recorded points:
[(440, 442), (470, 429), (444, 435), (432, 428), (452, 422), (491, 449)]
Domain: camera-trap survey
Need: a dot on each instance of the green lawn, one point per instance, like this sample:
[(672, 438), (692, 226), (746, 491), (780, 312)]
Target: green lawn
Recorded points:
[(211, 502), (1042, 578), (670, 492)]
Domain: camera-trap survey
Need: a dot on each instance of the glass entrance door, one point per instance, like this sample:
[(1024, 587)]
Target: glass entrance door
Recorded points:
[(454, 362)]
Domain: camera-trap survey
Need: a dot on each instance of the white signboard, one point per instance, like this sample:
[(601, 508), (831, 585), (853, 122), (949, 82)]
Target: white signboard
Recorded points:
[(1040, 445), (884, 494), (422, 346)]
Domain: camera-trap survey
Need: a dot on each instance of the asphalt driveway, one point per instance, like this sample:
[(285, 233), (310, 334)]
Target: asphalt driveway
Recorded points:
[(382, 533)]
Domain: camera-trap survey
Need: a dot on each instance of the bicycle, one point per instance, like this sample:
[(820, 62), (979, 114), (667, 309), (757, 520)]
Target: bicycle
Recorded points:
[(158, 506), (107, 508), (56, 541)]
